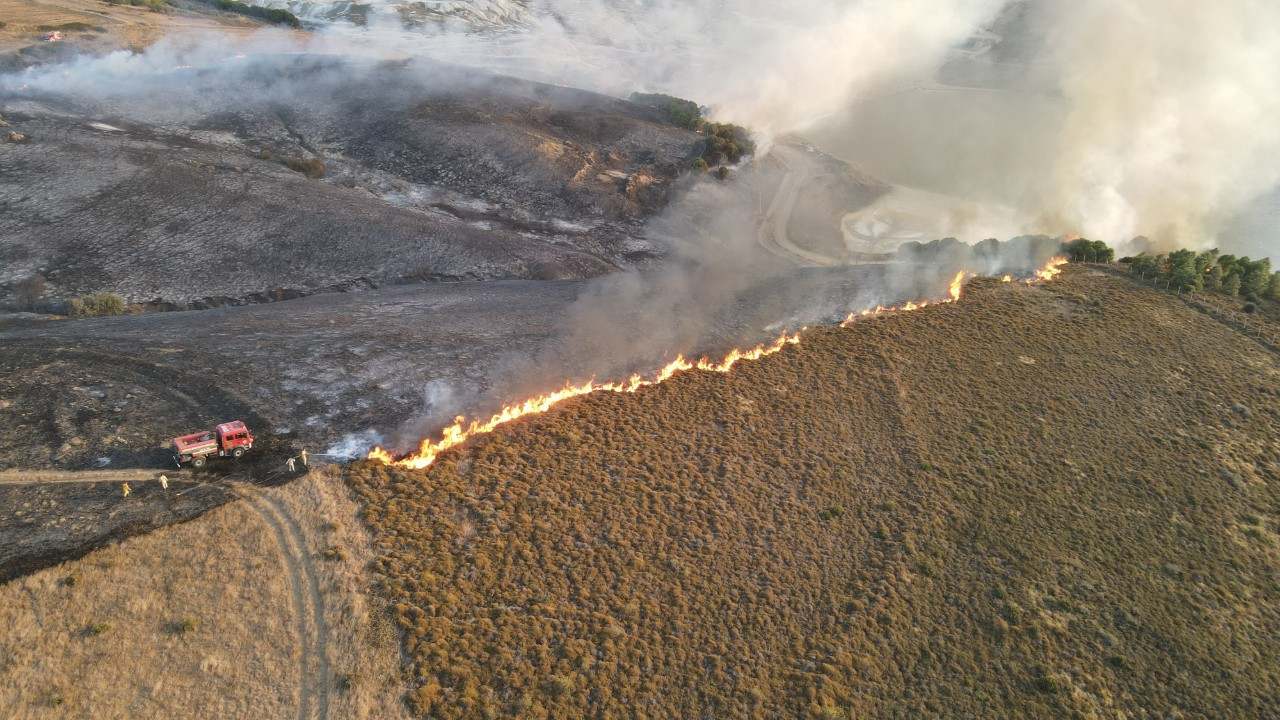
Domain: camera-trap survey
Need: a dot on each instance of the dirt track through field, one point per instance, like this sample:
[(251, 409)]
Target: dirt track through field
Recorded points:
[(313, 694), (32, 477)]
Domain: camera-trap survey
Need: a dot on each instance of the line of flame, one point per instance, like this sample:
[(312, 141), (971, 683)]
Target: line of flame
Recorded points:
[(461, 430)]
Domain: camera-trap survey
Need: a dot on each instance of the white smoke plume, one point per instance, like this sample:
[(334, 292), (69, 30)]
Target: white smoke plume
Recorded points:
[(1170, 115), (1153, 117)]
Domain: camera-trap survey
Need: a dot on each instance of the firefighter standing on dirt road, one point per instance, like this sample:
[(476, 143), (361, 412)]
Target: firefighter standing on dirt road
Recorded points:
[(126, 489), (164, 482)]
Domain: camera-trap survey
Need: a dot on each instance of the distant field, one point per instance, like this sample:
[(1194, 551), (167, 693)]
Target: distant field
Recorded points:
[(96, 26), (1052, 501)]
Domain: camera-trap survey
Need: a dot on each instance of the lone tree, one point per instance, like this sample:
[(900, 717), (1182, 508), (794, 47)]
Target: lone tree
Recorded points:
[(1086, 250)]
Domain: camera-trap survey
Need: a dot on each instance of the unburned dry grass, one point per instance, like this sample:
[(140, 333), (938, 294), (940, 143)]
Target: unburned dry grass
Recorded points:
[(200, 620), (1050, 504)]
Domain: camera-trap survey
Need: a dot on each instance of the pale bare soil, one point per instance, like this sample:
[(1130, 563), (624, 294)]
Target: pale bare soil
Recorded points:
[(257, 609)]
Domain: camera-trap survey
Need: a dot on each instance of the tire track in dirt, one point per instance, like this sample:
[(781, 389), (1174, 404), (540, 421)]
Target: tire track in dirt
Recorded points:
[(42, 477), (323, 671), (308, 604)]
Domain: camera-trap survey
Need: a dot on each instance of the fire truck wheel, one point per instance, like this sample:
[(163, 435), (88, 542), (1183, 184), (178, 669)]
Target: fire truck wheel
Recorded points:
[(237, 452), (197, 462)]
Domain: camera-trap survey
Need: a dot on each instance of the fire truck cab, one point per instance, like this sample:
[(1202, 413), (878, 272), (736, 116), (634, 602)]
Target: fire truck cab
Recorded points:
[(228, 439)]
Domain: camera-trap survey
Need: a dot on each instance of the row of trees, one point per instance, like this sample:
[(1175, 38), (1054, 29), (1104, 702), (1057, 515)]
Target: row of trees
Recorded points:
[(1182, 270), (1189, 271), (680, 112), (271, 15), (726, 143), (1086, 250), (1025, 252)]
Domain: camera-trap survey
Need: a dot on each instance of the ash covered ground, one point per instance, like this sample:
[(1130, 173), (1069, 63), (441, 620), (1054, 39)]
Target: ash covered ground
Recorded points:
[(264, 177), (342, 251)]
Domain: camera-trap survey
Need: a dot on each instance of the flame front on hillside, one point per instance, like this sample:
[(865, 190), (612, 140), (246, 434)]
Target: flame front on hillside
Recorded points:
[(461, 430)]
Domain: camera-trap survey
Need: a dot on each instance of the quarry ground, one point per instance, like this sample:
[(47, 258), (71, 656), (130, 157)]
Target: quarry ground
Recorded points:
[(1044, 501)]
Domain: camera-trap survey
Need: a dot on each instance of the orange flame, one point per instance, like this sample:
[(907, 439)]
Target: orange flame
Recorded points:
[(953, 290), (1050, 271), (461, 430)]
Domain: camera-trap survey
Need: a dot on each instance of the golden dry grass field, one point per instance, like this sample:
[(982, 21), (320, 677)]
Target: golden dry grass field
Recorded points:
[(96, 26), (258, 609), (1041, 502)]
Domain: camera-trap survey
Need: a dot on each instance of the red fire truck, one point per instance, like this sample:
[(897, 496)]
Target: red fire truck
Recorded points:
[(228, 439)]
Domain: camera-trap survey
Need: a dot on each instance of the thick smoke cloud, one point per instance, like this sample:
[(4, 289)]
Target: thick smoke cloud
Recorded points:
[(1151, 117), (1170, 115)]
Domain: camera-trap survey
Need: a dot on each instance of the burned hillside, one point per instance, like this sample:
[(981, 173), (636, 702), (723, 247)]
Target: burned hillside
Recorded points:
[(287, 174)]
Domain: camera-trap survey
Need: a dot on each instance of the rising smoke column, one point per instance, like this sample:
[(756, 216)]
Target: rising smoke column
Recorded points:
[(1167, 107), (1170, 119)]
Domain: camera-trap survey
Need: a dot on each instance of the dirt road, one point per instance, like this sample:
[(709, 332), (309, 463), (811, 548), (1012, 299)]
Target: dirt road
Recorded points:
[(773, 235), (308, 602)]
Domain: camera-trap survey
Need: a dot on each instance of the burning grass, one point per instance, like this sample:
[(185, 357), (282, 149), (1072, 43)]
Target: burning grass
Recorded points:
[(1040, 508)]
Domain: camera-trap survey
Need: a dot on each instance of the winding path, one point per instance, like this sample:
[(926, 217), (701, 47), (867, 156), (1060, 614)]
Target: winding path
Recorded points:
[(772, 233), (308, 603)]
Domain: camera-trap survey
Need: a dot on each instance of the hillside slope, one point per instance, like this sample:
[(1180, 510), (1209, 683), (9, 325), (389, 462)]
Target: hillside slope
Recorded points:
[(1052, 501)]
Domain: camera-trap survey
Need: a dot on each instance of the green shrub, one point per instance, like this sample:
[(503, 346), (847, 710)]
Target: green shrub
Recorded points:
[(98, 305), (680, 112), (834, 511), (700, 165), (559, 685), (726, 143), (100, 628), (186, 625), (1049, 683)]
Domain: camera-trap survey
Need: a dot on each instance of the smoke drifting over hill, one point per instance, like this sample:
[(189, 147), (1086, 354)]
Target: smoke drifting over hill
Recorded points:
[(1149, 117), (1160, 118)]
